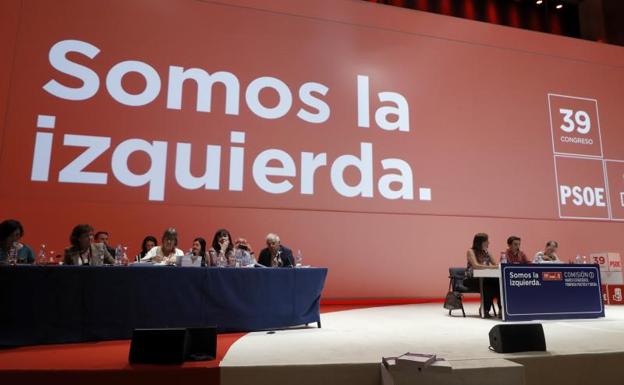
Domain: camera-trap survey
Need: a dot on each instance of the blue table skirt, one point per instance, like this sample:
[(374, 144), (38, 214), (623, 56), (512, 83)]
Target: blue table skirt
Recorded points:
[(62, 304)]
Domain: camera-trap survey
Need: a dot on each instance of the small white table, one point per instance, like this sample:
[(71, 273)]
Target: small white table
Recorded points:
[(488, 273)]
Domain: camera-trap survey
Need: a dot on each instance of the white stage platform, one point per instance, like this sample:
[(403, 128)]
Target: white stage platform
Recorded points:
[(349, 347)]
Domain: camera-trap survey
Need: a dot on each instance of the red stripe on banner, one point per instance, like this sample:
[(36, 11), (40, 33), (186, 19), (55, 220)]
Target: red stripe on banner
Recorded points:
[(386, 301)]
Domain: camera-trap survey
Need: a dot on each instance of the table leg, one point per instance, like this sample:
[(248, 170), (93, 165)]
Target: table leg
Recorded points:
[(482, 308), (501, 298)]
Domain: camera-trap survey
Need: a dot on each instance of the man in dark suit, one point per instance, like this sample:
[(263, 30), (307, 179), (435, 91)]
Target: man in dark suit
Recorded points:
[(102, 237), (275, 255)]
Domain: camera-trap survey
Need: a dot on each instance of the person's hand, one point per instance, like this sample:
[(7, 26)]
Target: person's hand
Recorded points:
[(224, 243), (242, 244)]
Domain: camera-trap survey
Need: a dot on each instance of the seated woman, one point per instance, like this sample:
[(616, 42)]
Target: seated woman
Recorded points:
[(479, 258), (168, 252), (275, 254), (83, 252), (11, 231), (222, 251), (197, 256), (149, 243), (549, 255)]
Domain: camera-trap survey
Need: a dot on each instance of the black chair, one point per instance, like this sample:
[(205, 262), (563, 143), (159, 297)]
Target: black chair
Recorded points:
[(458, 286), (454, 298)]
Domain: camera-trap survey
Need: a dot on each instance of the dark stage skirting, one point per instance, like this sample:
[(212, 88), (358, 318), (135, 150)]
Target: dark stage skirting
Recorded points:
[(62, 304)]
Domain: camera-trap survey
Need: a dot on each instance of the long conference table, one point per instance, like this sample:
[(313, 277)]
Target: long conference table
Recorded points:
[(547, 291), (63, 304)]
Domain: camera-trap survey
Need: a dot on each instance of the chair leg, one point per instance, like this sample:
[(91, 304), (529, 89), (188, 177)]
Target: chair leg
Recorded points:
[(462, 308)]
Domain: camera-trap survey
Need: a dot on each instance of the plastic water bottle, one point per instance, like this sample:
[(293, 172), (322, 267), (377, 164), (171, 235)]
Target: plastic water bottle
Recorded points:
[(584, 259), (577, 260), (244, 257), (41, 258), (298, 259), (12, 255), (238, 258), (503, 257), (118, 254), (124, 256)]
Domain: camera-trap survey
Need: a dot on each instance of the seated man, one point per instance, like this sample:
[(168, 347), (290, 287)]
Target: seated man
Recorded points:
[(549, 255), (275, 255), (103, 237), (514, 254), (244, 252)]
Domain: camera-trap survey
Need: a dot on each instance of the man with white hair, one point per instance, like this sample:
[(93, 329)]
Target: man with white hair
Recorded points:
[(275, 254)]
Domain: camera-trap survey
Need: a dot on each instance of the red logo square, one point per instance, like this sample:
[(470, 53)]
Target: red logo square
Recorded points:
[(616, 294)]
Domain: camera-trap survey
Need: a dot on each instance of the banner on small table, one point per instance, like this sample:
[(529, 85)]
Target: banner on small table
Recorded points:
[(553, 291)]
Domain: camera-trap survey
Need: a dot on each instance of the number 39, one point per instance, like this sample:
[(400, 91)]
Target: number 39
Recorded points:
[(581, 119)]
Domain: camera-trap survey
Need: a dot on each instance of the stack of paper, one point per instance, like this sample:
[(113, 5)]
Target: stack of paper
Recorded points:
[(417, 361)]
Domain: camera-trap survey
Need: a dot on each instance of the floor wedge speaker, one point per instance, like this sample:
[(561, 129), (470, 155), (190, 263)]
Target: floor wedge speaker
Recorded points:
[(512, 338), (159, 346), (202, 344)]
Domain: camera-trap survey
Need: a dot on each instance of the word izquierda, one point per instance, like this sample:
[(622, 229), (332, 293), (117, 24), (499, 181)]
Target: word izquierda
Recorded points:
[(271, 179), (274, 171)]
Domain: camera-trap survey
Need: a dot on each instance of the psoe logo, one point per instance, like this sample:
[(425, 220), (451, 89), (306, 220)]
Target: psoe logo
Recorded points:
[(552, 276)]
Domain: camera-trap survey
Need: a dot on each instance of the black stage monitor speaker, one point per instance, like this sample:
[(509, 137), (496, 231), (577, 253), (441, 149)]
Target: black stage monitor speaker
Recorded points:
[(512, 338), (159, 346), (202, 344)]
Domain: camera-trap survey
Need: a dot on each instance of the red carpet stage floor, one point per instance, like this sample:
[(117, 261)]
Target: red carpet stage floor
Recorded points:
[(107, 362), (347, 350)]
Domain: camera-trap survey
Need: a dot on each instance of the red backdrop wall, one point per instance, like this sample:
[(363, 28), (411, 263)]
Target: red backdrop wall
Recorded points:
[(482, 137)]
